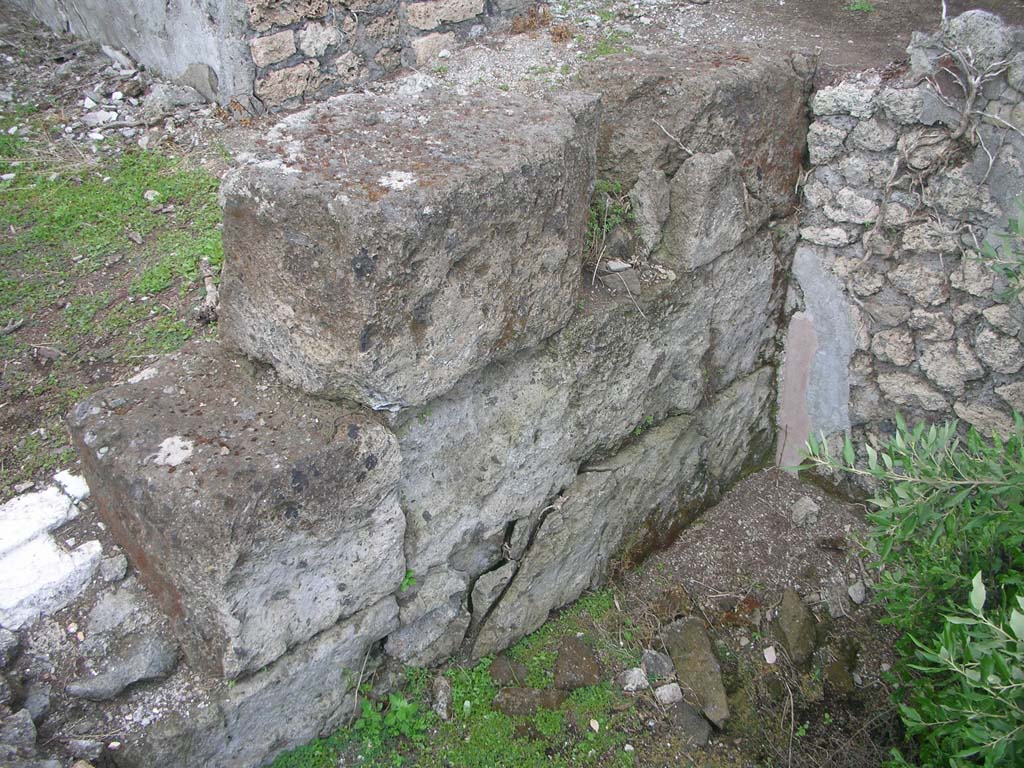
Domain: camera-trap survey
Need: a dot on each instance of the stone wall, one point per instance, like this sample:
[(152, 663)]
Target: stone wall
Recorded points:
[(463, 409), (894, 309), (282, 52)]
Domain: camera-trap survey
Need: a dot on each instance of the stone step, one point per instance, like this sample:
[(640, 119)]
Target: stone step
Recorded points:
[(258, 517), (379, 248)]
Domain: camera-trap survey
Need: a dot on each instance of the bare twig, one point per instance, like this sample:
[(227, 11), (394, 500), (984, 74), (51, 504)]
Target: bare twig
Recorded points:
[(359, 682), (664, 130), (630, 294)]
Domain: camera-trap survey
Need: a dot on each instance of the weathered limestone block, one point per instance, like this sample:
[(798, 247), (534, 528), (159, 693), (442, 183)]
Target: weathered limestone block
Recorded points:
[(825, 140), (501, 445), (305, 694), (950, 365), (986, 419), (661, 108), (315, 39), (708, 212), (434, 618), (849, 207), (382, 247), (433, 13), (271, 49), (1001, 353), (256, 516), (573, 543), (650, 201), (632, 499), (924, 283), (847, 98), (894, 346), (911, 392), (282, 85)]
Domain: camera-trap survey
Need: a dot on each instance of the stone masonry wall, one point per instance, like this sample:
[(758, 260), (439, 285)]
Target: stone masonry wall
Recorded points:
[(282, 52), (451, 380), (894, 309)]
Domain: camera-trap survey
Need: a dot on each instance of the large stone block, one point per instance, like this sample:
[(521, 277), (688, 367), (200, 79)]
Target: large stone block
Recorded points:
[(634, 499), (305, 694), (382, 247), (662, 108), (257, 517)]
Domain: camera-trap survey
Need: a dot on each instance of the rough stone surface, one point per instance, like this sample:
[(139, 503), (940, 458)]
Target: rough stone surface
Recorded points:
[(9, 645), (576, 665), (271, 49), (754, 108), (706, 217), (633, 680), (805, 511), (668, 694), (209, 36), (304, 694), (847, 98), (427, 47), (999, 352), (41, 577), (524, 702), (650, 204), (433, 13), (796, 628), (143, 658), (697, 668), (657, 666), (374, 259), (316, 38), (932, 334), (691, 727), (297, 498), (288, 84), (441, 689)]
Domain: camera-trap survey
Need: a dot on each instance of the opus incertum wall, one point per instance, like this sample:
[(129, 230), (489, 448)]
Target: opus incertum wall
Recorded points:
[(264, 53)]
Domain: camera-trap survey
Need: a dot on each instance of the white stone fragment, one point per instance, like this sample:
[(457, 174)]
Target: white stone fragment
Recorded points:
[(73, 485), (30, 515), (40, 577), (669, 694)]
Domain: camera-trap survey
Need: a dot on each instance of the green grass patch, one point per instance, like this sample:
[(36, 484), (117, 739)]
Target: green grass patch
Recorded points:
[(480, 736), (100, 262)]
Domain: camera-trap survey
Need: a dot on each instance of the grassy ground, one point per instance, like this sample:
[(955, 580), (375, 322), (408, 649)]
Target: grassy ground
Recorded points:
[(99, 268), (591, 728)]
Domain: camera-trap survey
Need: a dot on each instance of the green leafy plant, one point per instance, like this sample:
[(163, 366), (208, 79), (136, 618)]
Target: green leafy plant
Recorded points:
[(408, 582), (948, 520), (643, 426), (609, 208), (968, 701), (859, 6), (1007, 257)]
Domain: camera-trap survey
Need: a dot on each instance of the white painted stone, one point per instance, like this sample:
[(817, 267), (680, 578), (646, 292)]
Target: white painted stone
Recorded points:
[(73, 485), (173, 451), (30, 515), (40, 577)]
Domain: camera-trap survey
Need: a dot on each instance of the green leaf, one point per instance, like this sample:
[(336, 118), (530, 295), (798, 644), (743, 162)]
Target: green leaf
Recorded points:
[(1017, 623), (978, 593), (848, 454)]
